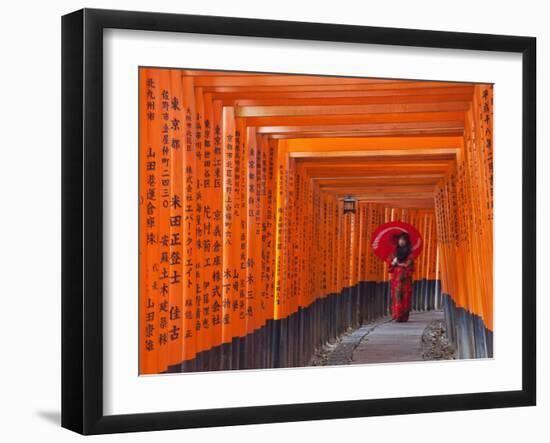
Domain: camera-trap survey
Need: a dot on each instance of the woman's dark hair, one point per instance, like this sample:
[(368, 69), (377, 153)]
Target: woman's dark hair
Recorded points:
[(404, 235), (402, 252)]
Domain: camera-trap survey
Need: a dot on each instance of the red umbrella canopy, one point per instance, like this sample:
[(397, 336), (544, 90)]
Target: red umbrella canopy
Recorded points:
[(384, 239)]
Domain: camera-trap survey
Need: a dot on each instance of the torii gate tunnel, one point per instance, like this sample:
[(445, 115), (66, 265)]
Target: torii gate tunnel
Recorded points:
[(247, 258)]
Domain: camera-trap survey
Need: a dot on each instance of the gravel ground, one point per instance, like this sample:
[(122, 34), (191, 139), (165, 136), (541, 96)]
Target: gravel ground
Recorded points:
[(320, 357), (435, 345)]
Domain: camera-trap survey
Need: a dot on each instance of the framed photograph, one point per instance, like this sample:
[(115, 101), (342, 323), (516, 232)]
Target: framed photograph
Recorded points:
[(269, 221)]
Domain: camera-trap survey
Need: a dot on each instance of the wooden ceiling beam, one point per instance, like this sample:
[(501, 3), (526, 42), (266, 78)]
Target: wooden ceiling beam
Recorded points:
[(220, 93), (382, 190), (270, 80), (335, 85), (309, 120), (391, 126), (403, 154), (392, 108), (355, 100), (375, 196), (427, 203), (381, 177), (218, 73), (376, 169), (320, 173), (410, 179), (404, 132), (371, 143)]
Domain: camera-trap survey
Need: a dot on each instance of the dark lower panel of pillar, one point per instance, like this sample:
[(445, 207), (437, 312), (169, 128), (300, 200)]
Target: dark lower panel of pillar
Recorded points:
[(292, 341), (426, 295), (466, 331)]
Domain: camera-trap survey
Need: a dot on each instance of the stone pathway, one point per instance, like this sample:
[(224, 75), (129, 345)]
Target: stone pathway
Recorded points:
[(343, 352), (395, 342), (382, 342)]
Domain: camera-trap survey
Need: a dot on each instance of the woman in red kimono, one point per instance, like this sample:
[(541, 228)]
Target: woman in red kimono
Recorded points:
[(401, 268)]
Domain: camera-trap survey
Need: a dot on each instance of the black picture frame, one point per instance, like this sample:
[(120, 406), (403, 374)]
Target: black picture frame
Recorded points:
[(82, 215)]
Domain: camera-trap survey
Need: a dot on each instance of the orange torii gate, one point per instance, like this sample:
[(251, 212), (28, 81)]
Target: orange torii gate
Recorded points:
[(247, 259)]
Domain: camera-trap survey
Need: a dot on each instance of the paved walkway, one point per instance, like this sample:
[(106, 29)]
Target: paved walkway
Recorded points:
[(395, 342), (384, 341)]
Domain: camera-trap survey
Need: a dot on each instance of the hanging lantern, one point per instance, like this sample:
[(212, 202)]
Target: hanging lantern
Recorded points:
[(349, 205)]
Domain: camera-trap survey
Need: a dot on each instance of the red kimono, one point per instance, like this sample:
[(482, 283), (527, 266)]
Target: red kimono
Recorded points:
[(401, 289)]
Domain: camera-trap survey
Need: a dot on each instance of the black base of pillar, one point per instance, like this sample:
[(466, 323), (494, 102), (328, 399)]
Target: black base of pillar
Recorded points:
[(466, 331)]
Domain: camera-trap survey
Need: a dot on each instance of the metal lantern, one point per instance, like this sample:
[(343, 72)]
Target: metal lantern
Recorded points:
[(349, 205)]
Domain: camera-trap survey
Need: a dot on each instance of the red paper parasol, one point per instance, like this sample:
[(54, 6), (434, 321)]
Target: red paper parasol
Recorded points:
[(384, 239)]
